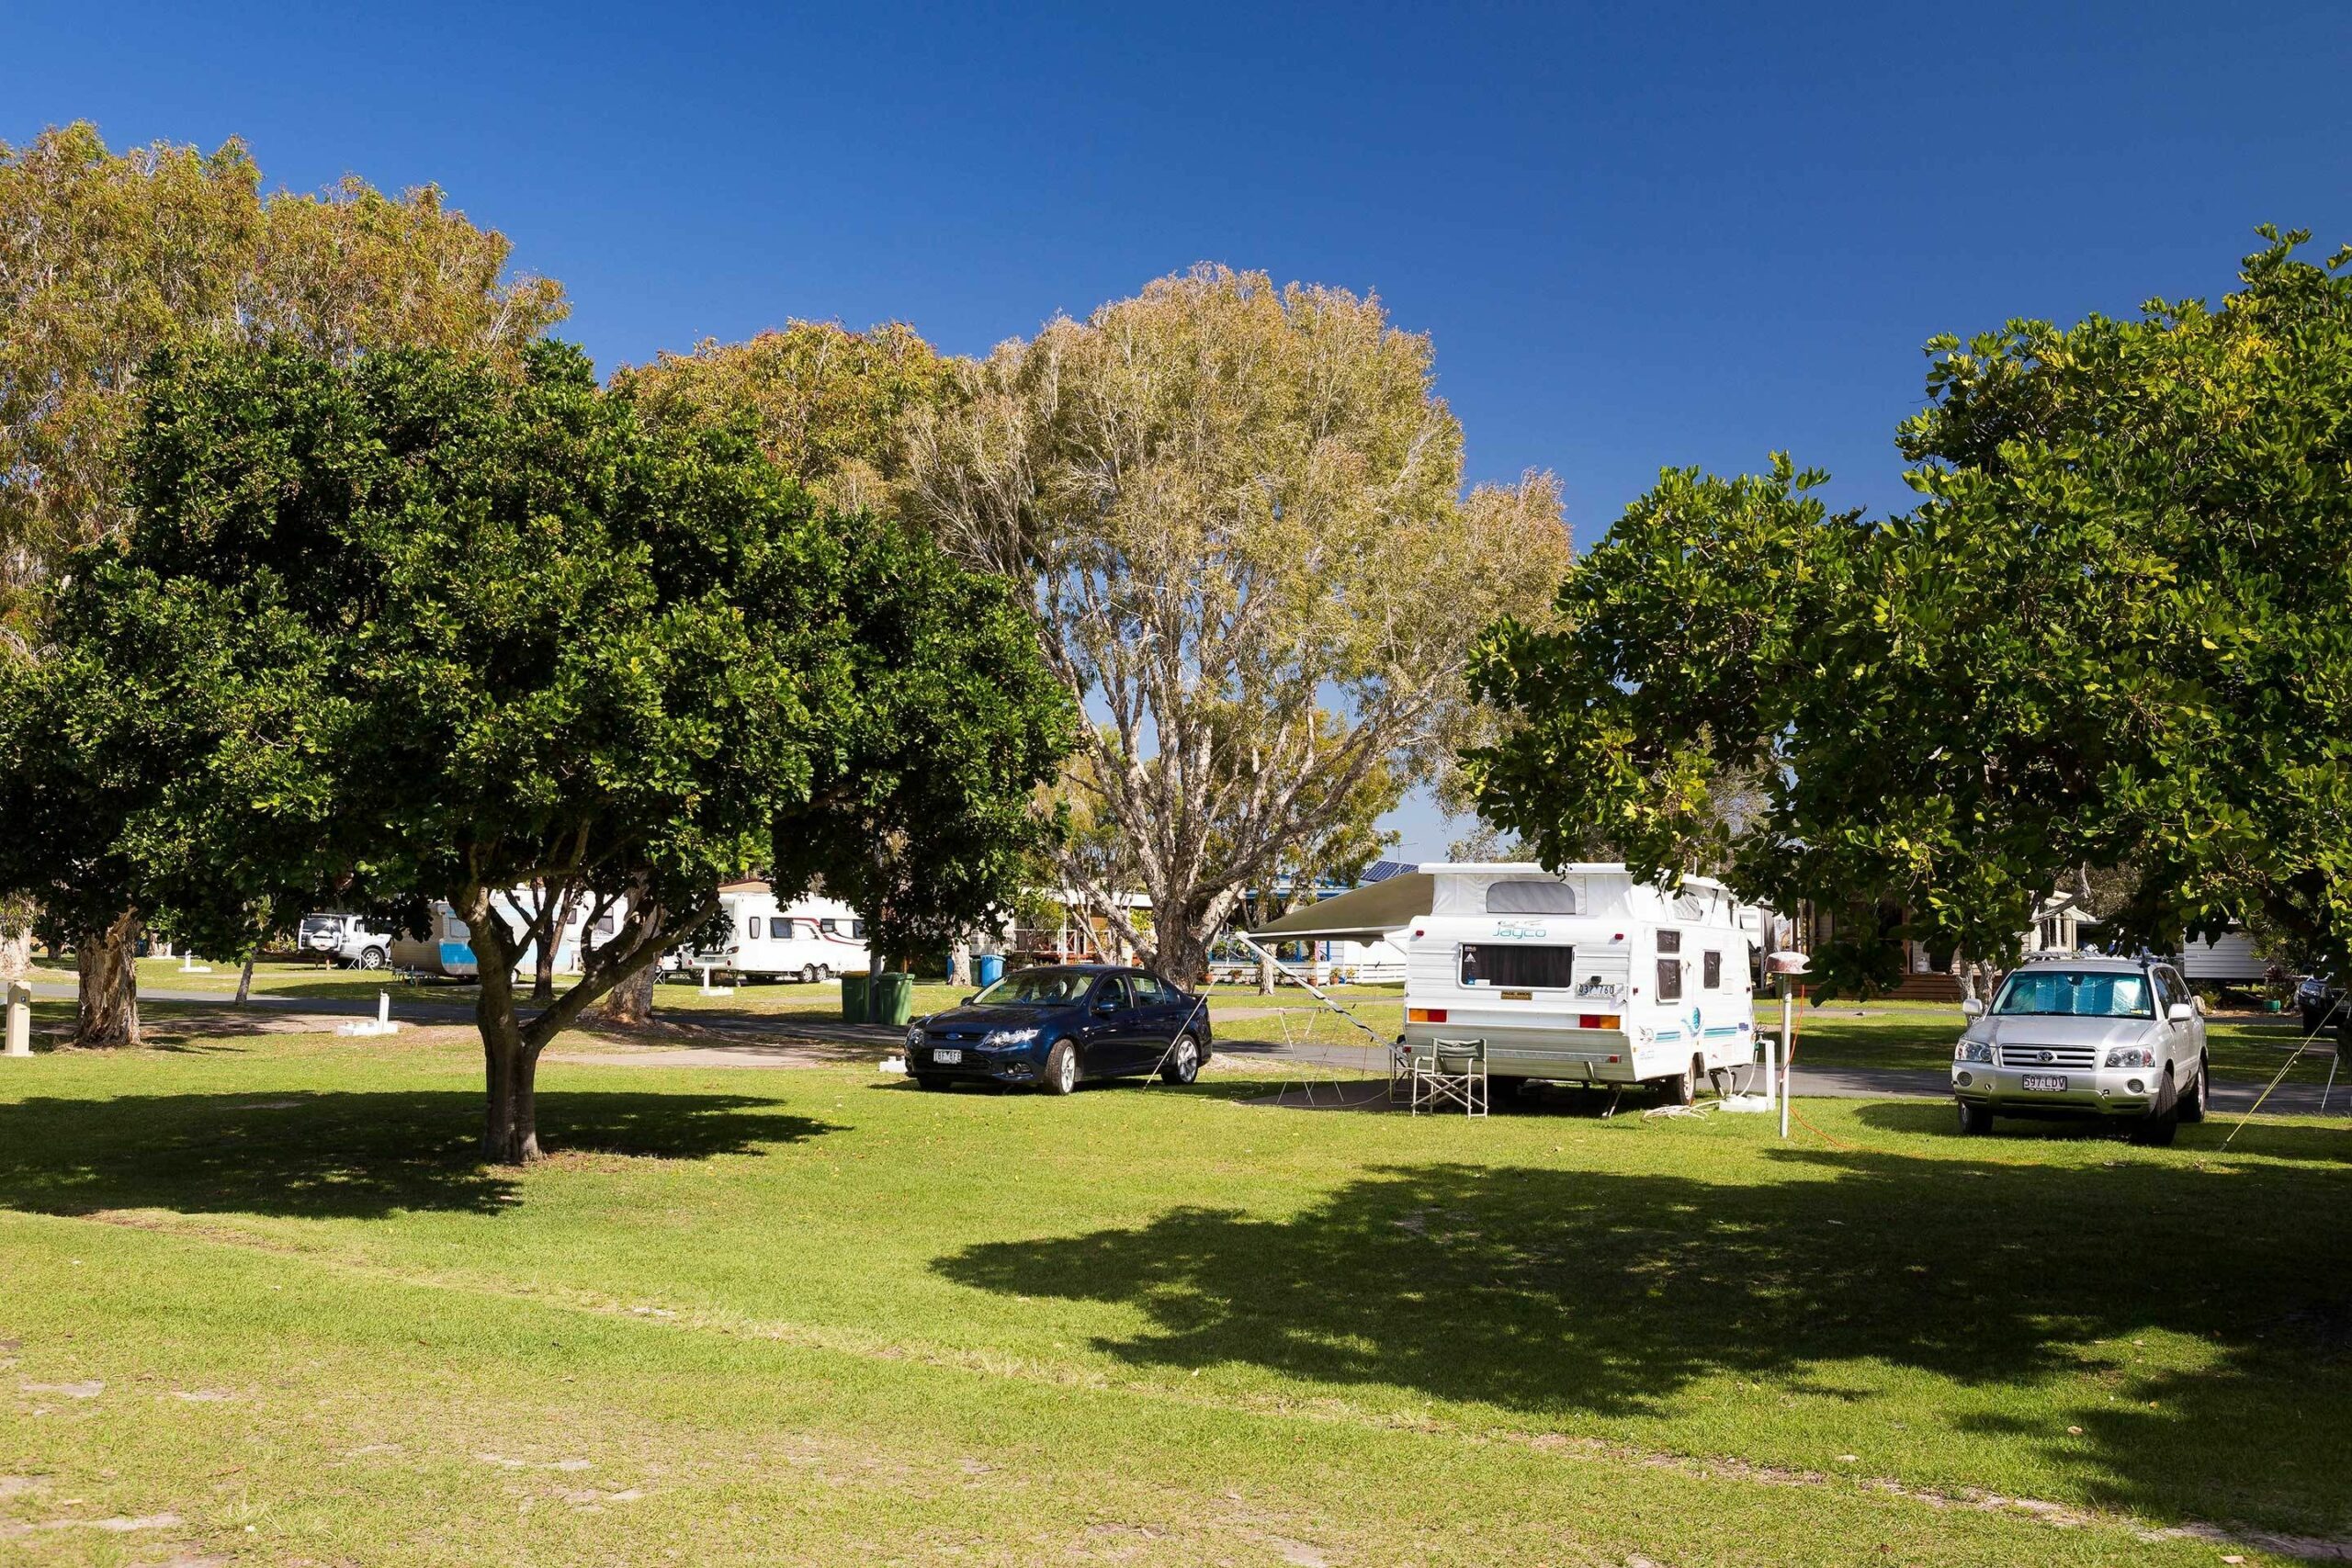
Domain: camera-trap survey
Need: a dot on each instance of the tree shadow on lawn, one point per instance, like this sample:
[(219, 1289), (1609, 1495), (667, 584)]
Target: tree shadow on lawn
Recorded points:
[(346, 1155), (1567, 1293)]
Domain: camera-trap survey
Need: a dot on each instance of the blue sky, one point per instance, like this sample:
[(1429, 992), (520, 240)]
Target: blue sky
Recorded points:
[(1640, 234)]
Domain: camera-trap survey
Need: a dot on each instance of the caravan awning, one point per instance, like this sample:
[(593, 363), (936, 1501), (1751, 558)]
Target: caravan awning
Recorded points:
[(1365, 915)]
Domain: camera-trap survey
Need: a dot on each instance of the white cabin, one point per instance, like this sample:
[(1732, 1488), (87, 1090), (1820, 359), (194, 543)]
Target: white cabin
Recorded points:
[(1579, 977)]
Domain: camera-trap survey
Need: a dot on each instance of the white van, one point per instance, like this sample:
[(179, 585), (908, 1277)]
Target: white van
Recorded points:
[(810, 939), (1583, 977)]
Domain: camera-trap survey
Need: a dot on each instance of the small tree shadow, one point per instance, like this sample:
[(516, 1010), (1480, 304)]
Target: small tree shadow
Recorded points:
[(362, 1156)]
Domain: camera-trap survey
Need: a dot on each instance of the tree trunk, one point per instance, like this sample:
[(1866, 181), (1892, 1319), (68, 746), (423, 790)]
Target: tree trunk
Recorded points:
[(245, 981), (511, 1070), (108, 1012), (15, 955), (543, 966), (630, 1001), (1265, 973)]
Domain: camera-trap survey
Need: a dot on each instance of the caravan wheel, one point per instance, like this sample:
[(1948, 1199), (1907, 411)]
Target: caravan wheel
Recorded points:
[(1681, 1088), (808, 975)]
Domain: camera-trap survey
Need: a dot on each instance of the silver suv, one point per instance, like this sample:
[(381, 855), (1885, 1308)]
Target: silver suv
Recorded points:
[(2085, 1036)]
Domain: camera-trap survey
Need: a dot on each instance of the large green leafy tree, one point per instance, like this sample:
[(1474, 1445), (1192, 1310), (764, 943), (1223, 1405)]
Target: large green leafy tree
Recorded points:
[(2112, 633), (107, 258), (925, 811), (509, 636)]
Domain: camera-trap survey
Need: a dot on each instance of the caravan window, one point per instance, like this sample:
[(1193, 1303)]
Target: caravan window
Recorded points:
[(1669, 978), (1711, 972), (853, 929), (751, 927), (1531, 895), (1516, 968), (780, 930)]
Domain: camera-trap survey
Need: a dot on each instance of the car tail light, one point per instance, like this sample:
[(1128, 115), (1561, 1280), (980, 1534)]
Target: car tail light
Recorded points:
[(1425, 1015)]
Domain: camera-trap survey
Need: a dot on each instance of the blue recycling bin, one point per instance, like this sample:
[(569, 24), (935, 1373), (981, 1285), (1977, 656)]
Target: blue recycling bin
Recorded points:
[(987, 969)]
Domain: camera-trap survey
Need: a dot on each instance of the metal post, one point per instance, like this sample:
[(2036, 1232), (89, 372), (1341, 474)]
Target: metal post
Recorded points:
[(20, 1019), (1788, 1029)]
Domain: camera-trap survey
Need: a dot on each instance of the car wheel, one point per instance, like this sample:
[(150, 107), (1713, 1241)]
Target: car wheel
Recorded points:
[(1976, 1119), (2156, 1128), (1681, 1088), (1061, 1070), (2193, 1104), (1183, 1061), (371, 958)]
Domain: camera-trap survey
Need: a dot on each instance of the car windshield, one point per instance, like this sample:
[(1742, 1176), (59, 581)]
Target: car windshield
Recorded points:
[(2075, 993), (1036, 988)]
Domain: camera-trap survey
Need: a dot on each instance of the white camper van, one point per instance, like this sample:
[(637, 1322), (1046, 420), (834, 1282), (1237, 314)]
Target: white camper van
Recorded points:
[(1582, 976), (811, 939)]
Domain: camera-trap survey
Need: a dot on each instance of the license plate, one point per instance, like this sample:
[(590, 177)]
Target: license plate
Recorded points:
[(2042, 1080), (951, 1058)]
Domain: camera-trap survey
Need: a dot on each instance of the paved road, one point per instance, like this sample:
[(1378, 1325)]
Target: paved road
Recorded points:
[(419, 1004)]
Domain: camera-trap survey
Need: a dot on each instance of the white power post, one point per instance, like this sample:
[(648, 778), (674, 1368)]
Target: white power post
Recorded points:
[(1785, 966), (20, 1019)]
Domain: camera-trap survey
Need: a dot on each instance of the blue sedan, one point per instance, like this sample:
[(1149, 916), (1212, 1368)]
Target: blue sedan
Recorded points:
[(1055, 1027)]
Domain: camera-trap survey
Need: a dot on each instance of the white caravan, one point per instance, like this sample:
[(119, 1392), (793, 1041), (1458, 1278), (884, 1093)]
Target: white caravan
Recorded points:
[(811, 939), (447, 947), (1584, 976)]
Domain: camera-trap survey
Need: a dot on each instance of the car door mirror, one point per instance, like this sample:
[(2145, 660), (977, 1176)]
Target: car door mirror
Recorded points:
[(1972, 1008), (1107, 1008), (967, 1001), (2181, 1012)]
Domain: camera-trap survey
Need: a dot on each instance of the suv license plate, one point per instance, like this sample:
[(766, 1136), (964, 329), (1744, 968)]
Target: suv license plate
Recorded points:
[(2042, 1080), (952, 1058)]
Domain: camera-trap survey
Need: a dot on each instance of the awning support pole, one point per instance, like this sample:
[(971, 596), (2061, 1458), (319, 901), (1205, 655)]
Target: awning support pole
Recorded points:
[(1312, 989)]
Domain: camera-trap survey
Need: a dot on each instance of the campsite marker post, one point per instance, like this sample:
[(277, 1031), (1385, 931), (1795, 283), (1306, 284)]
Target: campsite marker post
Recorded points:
[(20, 1019), (1785, 966)]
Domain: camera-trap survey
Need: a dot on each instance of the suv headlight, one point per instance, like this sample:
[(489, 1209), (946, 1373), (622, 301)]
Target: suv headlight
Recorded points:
[(1010, 1037), (2132, 1056), (1973, 1051), (914, 1035)]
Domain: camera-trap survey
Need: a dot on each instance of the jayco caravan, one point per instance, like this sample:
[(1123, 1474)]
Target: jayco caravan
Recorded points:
[(1579, 977), (811, 939)]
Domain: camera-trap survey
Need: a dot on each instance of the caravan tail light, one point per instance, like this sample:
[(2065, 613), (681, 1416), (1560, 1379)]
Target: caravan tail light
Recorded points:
[(1598, 1020), (1424, 1015)]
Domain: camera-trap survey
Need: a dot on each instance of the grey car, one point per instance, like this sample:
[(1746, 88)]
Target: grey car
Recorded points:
[(2069, 1036)]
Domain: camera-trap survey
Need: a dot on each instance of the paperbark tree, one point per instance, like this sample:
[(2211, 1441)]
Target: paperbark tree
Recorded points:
[(1238, 513), (830, 406)]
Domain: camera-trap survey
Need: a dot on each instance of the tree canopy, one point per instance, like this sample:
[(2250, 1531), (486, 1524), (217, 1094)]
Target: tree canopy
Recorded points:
[(1237, 512), (502, 633), (830, 406), (2111, 634), (107, 257)]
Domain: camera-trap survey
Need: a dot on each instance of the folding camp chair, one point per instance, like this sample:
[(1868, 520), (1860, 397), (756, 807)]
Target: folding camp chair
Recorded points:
[(1400, 1071), (1455, 1076)]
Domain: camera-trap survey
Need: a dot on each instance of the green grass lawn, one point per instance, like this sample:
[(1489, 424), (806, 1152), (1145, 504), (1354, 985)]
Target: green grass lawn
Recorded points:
[(261, 1302)]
